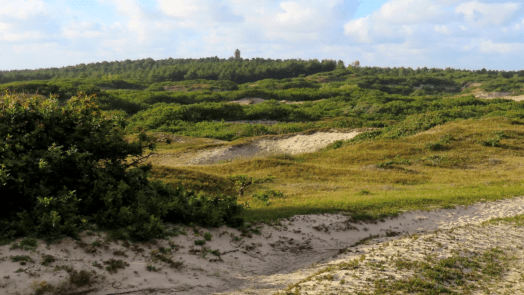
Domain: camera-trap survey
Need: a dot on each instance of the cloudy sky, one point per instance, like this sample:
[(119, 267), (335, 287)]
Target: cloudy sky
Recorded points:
[(386, 33)]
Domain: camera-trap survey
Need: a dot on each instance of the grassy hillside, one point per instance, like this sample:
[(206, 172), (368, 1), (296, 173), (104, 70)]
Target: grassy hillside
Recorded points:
[(456, 163), (431, 141)]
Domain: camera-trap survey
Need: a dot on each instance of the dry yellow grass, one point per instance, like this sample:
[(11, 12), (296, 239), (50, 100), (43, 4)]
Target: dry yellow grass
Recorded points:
[(457, 163)]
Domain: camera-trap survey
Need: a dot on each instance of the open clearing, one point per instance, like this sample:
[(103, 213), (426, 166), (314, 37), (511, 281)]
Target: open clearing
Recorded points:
[(311, 251)]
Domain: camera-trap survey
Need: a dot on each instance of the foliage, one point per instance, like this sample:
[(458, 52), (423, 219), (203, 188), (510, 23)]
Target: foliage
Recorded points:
[(212, 68), (25, 244), (63, 168), (267, 195), (64, 89), (193, 98)]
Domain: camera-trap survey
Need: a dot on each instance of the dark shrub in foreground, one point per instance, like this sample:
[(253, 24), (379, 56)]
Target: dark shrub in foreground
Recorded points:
[(64, 168)]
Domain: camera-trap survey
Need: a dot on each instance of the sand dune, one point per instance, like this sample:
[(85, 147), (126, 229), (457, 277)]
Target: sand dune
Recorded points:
[(267, 262), (292, 145)]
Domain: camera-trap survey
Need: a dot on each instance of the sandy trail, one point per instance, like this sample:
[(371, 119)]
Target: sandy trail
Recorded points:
[(266, 262)]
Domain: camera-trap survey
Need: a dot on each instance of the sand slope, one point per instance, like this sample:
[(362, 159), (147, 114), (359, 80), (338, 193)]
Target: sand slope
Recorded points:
[(292, 145), (260, 264)]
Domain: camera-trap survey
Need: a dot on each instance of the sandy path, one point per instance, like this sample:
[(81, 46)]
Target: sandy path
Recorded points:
[(425, 223), (260, 264)]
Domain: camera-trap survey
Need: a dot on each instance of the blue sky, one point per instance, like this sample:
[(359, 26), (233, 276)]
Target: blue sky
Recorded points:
[(388, 33)]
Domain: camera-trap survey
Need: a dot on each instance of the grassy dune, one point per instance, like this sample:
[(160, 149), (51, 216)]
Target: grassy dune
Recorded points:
[(456, 163)]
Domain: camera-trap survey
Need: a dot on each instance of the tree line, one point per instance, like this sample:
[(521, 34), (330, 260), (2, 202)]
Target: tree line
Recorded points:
[(213, 68)]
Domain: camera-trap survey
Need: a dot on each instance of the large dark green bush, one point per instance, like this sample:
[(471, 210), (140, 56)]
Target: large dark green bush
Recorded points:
[(63, 169)]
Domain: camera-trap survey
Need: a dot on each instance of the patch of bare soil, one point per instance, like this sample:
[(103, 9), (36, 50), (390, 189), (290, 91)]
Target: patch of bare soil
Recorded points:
[(503, 95), (175, 88), (254, 122), (266, 258), (257, 100), (249, 100), (479, 93), (294, 144), (194, 87)]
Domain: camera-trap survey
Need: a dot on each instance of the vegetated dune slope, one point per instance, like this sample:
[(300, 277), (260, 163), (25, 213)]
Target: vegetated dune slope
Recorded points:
[(296, 144), (323, 254)]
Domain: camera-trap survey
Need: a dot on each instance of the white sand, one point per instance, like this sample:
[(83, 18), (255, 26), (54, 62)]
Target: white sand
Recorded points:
[(293, 145), (265, 263)]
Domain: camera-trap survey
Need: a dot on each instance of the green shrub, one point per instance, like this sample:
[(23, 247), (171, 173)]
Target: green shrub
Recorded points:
[(22, 259), (150, 267), (82, 278), (111, 102), (113, 265), (439, 145), (208, 236), (63, 168), (47, 259), (25, 244), (493, 140), (267, 195)]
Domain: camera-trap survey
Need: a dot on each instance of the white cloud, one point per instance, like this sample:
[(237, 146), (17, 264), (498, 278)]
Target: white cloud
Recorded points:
[(296, 21), (84, 29), (17, 37), (399, 33), (397, 20), (443, 29), (409, 11), (4, 26), (501, 48), (182, 8), (295, 14), (33, 47), (488, 14), (22, 9), (359, 30)]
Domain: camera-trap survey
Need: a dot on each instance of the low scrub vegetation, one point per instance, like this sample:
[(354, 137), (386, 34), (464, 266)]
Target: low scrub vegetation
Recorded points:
[(428, 142), (443, 166), (68, 168)]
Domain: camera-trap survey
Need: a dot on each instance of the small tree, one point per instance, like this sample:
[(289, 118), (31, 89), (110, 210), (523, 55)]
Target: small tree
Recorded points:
[(340, 65), (241, 182)]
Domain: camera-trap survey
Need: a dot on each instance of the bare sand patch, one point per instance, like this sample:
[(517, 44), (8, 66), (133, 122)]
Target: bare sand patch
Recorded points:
[(254, 122), (262, 147), (257, 100), (478, 93), (249, 100), (293, 145), (269, 257), (500, 95)]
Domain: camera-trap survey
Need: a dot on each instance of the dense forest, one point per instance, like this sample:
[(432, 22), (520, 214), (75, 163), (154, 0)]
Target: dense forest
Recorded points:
[(237, 70)]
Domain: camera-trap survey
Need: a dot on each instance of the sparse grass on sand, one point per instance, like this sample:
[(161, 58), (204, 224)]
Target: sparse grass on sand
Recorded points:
[(449, 261), (458, 163)]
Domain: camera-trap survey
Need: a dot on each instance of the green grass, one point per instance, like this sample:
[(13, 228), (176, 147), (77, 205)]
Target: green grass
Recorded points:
[(23, 259), (25, 244), (114, 264), (445, 166), (429, 275), (516, 220)]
